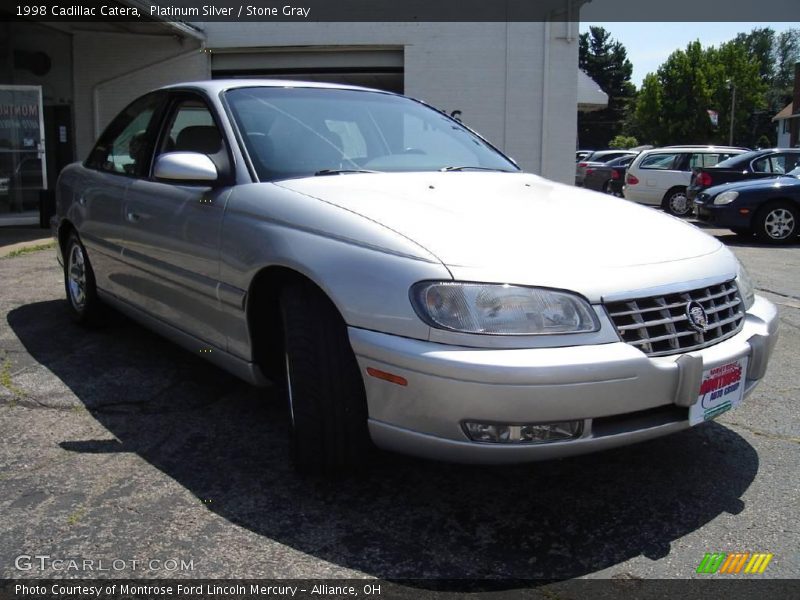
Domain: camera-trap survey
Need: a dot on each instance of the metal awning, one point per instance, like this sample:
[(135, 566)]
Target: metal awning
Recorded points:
[(590, 95)]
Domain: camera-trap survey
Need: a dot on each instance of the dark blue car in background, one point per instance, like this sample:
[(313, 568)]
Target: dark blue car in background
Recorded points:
[(766, 208)]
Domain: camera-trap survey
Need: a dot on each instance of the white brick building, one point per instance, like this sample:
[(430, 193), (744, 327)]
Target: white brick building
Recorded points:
[(515, 83)]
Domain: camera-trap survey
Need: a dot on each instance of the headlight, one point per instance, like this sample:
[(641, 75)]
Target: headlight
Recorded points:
[(746, 287), (501, 309), (726, 197)]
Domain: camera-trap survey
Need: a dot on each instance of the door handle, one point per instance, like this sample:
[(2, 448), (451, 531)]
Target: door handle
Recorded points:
[(132, 217)]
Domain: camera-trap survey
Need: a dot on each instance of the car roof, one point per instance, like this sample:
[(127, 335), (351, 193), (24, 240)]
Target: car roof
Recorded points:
[(668, 149), (215, 86)]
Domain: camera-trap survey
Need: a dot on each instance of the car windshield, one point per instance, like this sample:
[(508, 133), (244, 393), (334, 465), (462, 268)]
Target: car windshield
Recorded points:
[(298, 132)]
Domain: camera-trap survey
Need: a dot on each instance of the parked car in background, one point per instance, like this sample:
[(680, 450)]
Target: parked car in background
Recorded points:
[(660, 177), (599, 157), (580, 154), (768, 208), (402, 281), (757, 164), (608, 177)]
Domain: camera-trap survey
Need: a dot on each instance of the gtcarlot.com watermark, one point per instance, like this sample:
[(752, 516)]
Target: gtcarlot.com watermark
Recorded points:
[(45, 562)]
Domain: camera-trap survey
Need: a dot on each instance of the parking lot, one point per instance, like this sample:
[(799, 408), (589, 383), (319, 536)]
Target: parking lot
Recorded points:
[(118, 445)]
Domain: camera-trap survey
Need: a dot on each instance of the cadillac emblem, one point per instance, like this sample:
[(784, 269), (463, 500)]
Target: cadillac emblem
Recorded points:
[(697, 316)]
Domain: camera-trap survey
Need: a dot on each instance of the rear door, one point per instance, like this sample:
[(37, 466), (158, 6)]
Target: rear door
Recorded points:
[(172, 230), (661, 171)]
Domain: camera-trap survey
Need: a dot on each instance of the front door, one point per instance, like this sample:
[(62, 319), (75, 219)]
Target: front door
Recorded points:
[(172, 231)]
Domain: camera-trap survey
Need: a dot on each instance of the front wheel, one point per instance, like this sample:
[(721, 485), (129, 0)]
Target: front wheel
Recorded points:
[(79, 282), (776, 223), (677, 203), (323, 385)]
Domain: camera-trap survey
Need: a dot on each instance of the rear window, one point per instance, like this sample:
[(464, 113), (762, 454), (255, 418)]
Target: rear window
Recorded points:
[(664, 162), (776, 163), (739, 160), (707, 159)]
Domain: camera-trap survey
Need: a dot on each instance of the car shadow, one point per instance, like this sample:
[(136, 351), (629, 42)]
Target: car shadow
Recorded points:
[(727, 237), (441, 525)]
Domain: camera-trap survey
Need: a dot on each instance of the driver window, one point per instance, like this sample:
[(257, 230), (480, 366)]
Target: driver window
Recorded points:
[(192, 129), (126, 145)]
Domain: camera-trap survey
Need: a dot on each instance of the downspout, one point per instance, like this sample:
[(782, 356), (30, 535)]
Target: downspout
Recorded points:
[(545, 92)]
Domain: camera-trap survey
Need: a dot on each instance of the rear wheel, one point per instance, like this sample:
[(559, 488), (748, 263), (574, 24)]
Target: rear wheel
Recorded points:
[(79, 282), (323, 385), (677, 203), (777, 223)]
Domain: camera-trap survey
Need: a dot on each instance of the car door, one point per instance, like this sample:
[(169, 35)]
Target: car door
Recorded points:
[(119, 157), (660, 172), (172, 229)]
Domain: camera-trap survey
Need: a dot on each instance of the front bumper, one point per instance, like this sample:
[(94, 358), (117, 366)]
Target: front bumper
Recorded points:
[(621, 395), (723, 216)]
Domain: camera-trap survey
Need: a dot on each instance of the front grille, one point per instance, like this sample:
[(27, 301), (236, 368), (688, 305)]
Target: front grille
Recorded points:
[(659, 325)]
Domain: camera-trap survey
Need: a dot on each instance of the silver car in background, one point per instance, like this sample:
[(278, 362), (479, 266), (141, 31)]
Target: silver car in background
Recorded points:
[(401, 280)]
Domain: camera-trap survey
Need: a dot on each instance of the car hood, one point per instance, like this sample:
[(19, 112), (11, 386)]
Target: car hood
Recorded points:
[(520, 228), (764, 183)]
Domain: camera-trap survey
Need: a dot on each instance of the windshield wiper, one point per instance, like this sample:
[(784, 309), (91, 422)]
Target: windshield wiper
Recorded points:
[(342, 171), (469, 168)]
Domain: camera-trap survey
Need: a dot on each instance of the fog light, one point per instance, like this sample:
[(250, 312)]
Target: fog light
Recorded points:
[(539, 433)]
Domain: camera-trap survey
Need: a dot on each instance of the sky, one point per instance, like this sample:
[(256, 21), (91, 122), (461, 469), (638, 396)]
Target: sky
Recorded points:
[(649, 44)]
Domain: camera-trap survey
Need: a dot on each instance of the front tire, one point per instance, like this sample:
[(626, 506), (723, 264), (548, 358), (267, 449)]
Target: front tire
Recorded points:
[(79, 282), (777, 223), (677, 203), (323, 385)]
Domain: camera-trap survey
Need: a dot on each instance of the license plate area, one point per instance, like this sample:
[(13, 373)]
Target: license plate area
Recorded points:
[(721, 389)]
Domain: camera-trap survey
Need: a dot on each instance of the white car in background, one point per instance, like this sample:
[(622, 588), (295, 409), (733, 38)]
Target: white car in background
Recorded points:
[(659, 177)]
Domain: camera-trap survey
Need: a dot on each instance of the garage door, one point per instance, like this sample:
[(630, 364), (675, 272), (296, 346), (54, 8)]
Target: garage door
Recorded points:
[(380, 68)]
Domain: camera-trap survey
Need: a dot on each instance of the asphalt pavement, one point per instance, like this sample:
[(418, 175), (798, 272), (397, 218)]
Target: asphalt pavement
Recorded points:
[(116, 445)]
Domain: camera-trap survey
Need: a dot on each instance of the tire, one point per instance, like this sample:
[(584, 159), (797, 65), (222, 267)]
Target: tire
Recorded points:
[(323, 385), (79, 282), (677, 203), (607, 187), (777, 223)]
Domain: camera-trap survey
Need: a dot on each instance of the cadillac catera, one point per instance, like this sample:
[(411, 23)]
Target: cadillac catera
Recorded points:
[(402, 280)]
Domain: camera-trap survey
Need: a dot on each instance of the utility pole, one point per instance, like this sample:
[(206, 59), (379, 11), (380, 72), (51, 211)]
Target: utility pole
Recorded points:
[(733, 108)]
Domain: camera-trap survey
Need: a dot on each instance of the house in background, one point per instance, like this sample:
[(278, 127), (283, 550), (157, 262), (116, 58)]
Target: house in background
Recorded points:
[(787, 121), (784, 121)]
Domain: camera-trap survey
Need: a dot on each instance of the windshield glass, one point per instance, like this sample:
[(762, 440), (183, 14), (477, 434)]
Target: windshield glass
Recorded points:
[(296, 132)]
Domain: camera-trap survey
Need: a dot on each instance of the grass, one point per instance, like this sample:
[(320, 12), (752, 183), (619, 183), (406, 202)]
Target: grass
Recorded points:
[(75, 517), (6, 380), (30, 249)]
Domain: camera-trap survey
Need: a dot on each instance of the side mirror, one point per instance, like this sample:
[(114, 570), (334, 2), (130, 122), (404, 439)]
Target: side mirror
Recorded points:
[(185, 167)]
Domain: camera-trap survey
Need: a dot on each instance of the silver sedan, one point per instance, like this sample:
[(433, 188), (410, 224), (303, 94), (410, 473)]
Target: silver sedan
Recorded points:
[(401, 279)]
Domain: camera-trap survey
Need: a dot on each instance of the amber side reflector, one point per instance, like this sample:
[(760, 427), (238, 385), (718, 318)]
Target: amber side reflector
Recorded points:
[(378, 374), (744, 211)]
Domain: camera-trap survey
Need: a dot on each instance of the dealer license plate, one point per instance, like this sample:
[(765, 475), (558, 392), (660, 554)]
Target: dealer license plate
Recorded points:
[(721, 390)]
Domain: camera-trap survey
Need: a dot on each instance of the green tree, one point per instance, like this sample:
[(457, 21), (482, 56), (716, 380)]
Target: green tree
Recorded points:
[(623, 142), (605, 60), (645, 121), (686, 97), (731, 65), (672, 106)]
